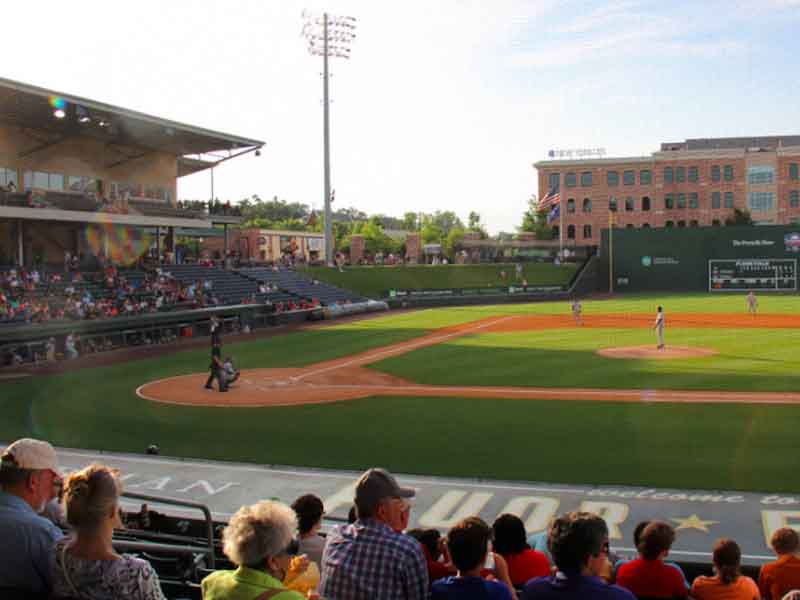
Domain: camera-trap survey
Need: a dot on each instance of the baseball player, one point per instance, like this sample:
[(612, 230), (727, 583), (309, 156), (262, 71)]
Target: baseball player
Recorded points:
[(752, 303), (659, 327), (576, 311), (217, 370)]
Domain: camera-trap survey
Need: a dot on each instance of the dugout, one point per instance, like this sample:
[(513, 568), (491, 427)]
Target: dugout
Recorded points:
[(711, 259)]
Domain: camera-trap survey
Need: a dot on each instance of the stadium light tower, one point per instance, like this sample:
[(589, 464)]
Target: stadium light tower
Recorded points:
[(328, 36)]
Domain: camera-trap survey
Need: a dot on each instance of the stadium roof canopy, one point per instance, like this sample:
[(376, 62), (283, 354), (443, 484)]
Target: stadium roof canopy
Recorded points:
[(133, 133)]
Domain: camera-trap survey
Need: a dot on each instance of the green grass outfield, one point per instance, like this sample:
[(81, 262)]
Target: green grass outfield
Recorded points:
[(702, 446), (373, 282)]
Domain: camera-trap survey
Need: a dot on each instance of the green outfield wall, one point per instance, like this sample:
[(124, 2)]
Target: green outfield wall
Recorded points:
[(761, 257)]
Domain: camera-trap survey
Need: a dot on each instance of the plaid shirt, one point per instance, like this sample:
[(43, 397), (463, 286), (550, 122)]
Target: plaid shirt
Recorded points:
[(367, 560)]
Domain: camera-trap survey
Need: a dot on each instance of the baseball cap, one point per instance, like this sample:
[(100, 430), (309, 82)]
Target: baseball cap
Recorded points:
[(376, 484), (28, 453)]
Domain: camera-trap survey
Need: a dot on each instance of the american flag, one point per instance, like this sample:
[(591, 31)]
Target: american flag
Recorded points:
[(551, 199)]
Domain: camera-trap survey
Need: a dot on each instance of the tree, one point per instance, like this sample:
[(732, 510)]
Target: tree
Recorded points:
[(410, 221), (431, 232), (453, 242), (740, 217), (446, 220), (475, 225), (535, 220)]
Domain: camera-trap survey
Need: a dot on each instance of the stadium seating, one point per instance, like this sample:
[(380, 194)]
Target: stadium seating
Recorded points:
[(300, 286)]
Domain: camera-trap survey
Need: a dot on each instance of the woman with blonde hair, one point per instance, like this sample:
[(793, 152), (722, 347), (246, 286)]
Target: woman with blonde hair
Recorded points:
[(259, 540), (86, 565)]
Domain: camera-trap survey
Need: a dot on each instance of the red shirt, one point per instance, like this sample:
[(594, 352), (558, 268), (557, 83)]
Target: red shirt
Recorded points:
[(526, 565), (779, 577), (651, 578)]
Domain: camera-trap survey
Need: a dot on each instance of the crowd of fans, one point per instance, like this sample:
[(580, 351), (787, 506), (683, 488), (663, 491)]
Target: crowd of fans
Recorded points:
[(34, 297), (66, 549)]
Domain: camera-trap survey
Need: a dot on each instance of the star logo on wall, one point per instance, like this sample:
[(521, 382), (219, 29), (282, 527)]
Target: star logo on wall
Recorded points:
[(693, 522)]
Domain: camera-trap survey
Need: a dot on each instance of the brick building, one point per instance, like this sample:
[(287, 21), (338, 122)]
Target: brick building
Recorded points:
[(695, 183)]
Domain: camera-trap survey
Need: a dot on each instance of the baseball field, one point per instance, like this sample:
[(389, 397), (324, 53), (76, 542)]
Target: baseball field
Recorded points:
[(517, 392)]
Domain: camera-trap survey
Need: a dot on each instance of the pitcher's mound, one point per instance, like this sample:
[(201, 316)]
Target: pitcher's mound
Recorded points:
[(651, 352)]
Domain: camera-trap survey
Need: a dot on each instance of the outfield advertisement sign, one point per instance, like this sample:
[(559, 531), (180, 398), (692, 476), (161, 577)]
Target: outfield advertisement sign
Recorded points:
[(478, 291)]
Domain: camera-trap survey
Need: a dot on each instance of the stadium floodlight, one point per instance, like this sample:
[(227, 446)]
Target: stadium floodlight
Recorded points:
[(82, 114), (328, 36), (59, 113)]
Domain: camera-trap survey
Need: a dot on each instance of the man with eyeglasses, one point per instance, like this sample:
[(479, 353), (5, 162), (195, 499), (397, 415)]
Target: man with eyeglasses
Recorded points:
[(578, 542), (372, 559), (29, 478)]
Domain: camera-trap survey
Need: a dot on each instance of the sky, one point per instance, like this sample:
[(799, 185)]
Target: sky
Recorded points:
[(443, 105)]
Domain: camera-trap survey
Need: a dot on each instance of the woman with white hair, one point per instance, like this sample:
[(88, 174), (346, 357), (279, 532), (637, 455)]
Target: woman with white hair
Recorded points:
[(259, 540), (86, 565)]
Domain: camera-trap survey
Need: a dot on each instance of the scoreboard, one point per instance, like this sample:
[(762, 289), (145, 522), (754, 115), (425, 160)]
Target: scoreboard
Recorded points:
[(745, 274)]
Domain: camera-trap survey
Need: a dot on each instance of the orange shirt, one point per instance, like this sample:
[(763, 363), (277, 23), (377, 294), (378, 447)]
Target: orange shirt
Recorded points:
[(779, 577), (711, 588)]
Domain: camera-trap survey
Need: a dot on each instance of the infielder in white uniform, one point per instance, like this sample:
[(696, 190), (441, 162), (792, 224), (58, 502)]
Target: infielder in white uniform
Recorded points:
[(752, 303), (659, 327), (576, 311)]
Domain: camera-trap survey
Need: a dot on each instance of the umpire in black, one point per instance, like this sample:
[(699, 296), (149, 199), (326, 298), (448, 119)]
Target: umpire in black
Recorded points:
[(217, 371)]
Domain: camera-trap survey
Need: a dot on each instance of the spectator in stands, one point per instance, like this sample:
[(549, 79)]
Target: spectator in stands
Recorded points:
[(369, 559), (309, 510), (436, 553), (30, 478), (508, 537), (86, 565), (258, 540), (578, 542), (648, 575), (468, 542), (637, 539), (728, 583), (779, 577), (70, 346)]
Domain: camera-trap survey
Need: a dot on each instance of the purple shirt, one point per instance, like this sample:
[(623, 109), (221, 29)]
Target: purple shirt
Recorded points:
[(367, 560), (469, 588), (576, 587)]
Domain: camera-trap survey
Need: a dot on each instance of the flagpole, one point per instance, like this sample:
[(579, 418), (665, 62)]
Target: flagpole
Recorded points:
[(560, 219)]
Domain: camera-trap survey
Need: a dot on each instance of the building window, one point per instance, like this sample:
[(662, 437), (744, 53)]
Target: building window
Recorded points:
[(694, 201), (794, 174), (694, 223), (630, 204), (681, 223), (587, 232), (8, 176), (556, 233), (794, 198), (646, 203), (586, 179), (761, 201), (716, 200), (81, 184), (728, 199), (694, 175), (645, 177), (668, 177), (571, 205), (612, 178), (681, 200), (554, 181), (716, 174), (645, 225), (571, 232), (587, 205), (760, 175), (629, 177), (680, 174), (669, 224), (715, 223), (612, 204), (42, 180), (571, 180), (728, 172), (668, 202)]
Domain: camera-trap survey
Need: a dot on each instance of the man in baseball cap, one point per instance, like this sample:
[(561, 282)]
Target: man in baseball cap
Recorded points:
[(29, 479), (372, 559)]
